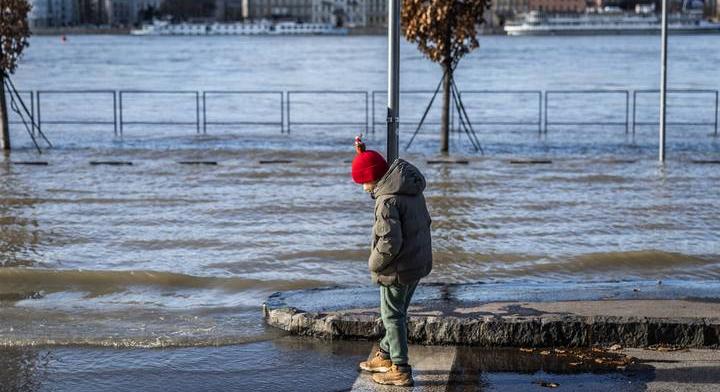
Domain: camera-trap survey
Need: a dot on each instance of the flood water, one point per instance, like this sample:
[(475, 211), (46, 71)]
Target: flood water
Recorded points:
[(159, 253)]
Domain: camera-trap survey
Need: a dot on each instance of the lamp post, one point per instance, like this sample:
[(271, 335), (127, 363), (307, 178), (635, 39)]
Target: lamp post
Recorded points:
[(663, 81), (393, 93)]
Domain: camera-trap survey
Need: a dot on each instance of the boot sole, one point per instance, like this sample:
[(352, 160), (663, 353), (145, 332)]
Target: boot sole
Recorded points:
[(395, 383), (381, 369)]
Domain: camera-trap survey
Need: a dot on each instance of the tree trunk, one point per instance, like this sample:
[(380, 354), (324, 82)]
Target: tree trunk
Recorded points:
[(4, 126), (445, 115)]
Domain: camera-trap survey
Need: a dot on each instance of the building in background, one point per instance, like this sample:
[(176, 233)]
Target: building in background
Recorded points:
[(298, 10), (505, 9), (559, 6), (90, 12), (340, 13), (377, 13), (230, 10), (126, 12), (52, 13)]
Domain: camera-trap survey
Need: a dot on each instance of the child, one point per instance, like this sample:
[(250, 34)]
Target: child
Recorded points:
[(401, 253)]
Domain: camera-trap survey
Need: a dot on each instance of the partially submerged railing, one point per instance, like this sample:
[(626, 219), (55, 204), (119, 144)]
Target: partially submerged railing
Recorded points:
[(66, 111), (358, 97), (207, 111), (675, 92), (268, 95), (532, 98), (161, 93), (580, 96)]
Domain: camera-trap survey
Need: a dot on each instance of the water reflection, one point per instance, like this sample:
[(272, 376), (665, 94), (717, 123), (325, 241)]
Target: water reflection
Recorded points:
[(23, 369), (19, 229)]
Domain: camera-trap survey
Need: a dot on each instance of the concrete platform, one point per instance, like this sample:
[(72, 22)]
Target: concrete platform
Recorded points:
[(633, 315)]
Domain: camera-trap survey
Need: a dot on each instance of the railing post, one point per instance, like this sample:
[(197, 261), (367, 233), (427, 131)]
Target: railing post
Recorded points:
[(546, 111), (120, 112), (540, 100), (197, 112), (282, 112), (372, 126), (634, 116), (627, 111), (366, 111), (288, 111), (115, 119), (716, 112), (204, 111)]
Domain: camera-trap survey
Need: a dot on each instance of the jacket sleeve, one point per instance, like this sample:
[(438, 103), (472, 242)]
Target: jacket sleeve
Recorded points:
[(387, 231)]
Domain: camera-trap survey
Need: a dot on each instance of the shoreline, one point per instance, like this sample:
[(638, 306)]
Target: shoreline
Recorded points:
[(120, 31)]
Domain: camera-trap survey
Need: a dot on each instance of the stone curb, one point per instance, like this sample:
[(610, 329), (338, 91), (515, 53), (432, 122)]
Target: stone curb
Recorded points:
[(508, 330)]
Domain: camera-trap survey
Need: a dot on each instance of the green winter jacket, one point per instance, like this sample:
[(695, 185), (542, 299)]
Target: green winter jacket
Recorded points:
[(401, 250)]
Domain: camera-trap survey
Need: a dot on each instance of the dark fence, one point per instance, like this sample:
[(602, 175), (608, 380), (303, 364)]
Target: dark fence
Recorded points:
[(265, 96), (419, 99), (581, 103), (531, 100), (208, 110), (676, 92), (328, 108), (168, 94), (64, 111)]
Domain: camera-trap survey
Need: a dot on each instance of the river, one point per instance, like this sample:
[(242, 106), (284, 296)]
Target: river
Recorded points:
[(157, 253)]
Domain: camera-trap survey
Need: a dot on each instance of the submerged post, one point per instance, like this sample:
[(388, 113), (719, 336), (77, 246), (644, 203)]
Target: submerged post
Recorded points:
[(4, 124), (663, 80), (393, 104)]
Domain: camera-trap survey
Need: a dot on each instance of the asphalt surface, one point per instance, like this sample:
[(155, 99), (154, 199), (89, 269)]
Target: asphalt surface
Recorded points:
[(304, 364)]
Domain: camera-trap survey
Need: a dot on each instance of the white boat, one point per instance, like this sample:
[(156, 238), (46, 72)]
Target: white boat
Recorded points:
[(263, 27), (535, 23)]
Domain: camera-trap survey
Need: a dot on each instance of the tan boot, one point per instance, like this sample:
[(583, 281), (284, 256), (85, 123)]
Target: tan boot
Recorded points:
[(395, 376), (376, 365)]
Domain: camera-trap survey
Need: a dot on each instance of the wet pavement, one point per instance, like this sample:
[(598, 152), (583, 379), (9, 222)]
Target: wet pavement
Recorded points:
[(302, 364)]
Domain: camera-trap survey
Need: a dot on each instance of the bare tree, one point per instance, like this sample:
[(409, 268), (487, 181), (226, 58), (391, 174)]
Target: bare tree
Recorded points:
[(444, 31), (14, 33)]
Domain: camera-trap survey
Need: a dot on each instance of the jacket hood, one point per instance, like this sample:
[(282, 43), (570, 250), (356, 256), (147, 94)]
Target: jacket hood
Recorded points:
[(402, 178)]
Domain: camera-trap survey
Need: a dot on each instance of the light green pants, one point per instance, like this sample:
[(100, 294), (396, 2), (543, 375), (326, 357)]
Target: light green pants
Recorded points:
[(394, 302)]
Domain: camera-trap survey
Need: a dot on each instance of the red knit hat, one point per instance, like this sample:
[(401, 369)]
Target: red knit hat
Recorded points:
[(368, 166)]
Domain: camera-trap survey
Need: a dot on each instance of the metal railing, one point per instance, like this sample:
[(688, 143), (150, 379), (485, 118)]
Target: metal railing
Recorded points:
[(713, 123), (113, 108), (124, 122), (75, 121), (360, 93), (207, 94), (426, 94), (12, 115), (532, 93), (625, 123)]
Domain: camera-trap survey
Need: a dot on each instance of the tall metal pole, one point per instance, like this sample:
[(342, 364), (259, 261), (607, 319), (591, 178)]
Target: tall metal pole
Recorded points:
[(663, 80), (393, 105)]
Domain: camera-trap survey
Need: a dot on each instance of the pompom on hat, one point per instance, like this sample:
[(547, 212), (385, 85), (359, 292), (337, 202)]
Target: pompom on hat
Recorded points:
[(368, 165)]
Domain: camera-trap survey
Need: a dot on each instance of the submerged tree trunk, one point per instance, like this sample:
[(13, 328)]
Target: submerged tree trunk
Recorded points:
[(445, 115), (4, 126)]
